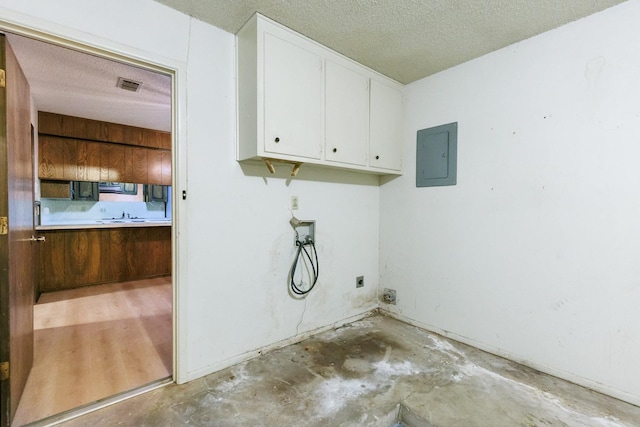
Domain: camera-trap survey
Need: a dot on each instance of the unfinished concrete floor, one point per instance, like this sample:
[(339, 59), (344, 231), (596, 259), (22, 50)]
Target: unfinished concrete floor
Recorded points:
[(357, 375)]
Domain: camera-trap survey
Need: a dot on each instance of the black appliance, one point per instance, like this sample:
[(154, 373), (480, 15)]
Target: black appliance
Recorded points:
[(83, 190), (118, 187), (155, 193)]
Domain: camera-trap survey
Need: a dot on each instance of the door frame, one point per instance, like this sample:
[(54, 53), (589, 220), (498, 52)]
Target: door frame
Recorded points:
[(86, 43)]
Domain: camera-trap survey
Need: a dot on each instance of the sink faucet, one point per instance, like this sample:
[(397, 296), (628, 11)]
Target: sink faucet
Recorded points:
[(122, 214)]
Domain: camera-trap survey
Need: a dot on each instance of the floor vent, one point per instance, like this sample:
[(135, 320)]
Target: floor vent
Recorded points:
[(130, 85)]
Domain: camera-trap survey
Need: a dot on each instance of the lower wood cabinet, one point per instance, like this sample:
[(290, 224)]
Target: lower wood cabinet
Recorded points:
[(75, 258)]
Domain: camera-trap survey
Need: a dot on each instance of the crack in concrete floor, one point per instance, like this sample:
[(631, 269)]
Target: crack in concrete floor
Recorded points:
[(356, 375)]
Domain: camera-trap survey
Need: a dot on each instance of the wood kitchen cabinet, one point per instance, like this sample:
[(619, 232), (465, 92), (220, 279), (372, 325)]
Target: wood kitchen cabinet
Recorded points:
[(94, 130), (52, 262), (299, 101), (125, 153), (166, 168), (75, 258), (112, 164), (75, 160), (154, 166), (81, 251), (88, 161), (58, 158)]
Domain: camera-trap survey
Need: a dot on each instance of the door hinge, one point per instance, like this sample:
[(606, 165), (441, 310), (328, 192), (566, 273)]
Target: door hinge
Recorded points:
[(4, 371), (4, 225), (3, 82)]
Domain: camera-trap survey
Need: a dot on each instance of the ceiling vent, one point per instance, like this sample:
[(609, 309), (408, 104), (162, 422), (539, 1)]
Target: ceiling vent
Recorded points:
[(130, 85)]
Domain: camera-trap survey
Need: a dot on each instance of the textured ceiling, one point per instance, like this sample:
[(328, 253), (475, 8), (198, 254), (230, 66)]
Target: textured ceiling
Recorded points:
[(69, 82), (403, 39)]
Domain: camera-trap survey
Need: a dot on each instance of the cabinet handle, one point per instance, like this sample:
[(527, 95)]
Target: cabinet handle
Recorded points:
[(335, 150), (277, 139), (377, 157)]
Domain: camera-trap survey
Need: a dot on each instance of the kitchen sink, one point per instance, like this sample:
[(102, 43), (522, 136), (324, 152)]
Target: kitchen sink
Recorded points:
[(128, 221)]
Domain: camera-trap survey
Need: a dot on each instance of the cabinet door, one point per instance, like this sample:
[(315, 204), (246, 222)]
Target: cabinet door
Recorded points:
[(93, 161), (53, 262), (385, 127), (140, 164), (293, 99), (107, 161), (58, 158), (51, 161), (166, 167), (116, 162), (154, 168), (122, 259), (82, 264), (347, 115)]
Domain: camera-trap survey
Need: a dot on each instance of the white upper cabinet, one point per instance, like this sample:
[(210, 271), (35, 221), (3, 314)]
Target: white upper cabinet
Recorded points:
[(385, 125), (293, 92), (347, 115), (299, 101)]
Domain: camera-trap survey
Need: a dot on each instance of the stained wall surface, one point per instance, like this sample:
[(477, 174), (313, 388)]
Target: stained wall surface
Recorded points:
[(233, 238), (533, 254)]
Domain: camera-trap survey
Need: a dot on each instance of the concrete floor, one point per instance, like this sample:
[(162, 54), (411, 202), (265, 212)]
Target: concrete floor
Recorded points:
[(358, 375)]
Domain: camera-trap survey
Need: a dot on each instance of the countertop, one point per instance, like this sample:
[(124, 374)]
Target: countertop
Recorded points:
[(106, 223)]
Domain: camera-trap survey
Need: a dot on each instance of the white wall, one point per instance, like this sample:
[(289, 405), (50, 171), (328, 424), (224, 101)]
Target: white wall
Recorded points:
[(234, 241), (534, 253)]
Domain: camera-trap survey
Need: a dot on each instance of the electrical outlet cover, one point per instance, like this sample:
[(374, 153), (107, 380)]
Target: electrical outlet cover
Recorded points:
[(389, 296)]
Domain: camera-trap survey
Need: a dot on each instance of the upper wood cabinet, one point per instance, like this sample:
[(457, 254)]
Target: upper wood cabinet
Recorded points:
[(62, 157), (302, 102), (94, 130)]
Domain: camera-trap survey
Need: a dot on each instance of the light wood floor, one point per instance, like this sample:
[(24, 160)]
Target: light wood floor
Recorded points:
[(94, 342)]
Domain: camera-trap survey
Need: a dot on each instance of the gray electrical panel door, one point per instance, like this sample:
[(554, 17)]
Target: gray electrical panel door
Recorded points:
[(436, 155)]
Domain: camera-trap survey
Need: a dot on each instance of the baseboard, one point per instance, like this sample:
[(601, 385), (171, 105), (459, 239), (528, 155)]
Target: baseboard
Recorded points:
[(567, 376), (218, 366)]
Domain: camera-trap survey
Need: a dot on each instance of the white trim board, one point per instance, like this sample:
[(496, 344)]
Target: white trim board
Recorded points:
[(49, 32)]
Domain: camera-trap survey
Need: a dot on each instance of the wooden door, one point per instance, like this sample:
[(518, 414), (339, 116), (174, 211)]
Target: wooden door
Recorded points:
[(16, 248)]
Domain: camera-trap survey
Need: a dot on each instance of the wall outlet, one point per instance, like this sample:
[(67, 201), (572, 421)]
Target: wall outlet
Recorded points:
[(389, 296), (359, 281), (294, 203)]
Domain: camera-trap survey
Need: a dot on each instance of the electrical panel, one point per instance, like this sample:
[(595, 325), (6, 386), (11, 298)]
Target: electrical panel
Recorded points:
[(436, 156)]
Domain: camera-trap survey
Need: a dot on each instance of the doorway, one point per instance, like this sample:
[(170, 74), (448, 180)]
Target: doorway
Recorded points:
[(104, 311)]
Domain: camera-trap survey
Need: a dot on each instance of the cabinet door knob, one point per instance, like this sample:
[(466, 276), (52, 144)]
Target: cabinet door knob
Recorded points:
[(377, 157), (277, 139), (335, 150)]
